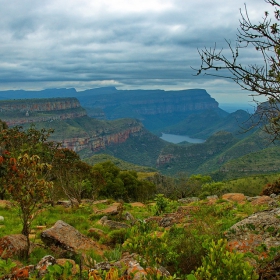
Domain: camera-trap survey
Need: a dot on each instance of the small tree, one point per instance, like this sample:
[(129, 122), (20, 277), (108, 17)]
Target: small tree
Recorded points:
[(262, 79), (27, 187)]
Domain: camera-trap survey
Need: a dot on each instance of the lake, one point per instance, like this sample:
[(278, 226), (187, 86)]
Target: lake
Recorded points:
[(179, 138)]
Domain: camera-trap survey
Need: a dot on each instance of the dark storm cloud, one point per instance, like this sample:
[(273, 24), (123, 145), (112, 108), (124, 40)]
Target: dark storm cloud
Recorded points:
[(126, 43)]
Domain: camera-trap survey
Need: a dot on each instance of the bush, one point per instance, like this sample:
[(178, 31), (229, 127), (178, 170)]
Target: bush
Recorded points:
[(220, 264), (271, 188)]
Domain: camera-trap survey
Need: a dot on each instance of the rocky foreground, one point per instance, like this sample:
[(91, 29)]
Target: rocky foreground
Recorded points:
[(258, 229)]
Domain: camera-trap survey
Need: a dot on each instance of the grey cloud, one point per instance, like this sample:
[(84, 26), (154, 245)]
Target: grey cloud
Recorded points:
[(55, 42)]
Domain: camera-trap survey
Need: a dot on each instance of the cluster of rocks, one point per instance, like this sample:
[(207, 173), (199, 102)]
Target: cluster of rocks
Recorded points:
[(67, 241), (248, 235)]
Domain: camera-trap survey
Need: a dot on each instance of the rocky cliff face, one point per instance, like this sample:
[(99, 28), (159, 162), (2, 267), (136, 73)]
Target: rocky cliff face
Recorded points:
[(98, 142), (39, 105), (19, 112), (144, 103)]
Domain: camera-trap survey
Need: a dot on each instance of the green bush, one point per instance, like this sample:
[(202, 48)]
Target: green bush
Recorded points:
[(220, 264), (117, 236)]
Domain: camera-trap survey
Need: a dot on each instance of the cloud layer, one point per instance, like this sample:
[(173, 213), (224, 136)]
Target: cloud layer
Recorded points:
[(125, 43)]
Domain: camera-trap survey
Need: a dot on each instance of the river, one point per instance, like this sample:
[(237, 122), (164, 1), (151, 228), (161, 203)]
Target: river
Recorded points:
[(180, 138)]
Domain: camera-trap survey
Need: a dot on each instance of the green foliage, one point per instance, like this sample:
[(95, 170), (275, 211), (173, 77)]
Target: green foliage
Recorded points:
[(163, 205), (220, 264), (213, 188), (114, 254), (58, 272), (117, 236), (6, 267), (110, 181), (123, 165)]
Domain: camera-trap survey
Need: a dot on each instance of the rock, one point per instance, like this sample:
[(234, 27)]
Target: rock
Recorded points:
[(1, 219), (44, 263), (100, 201), (137, 204), (252, 198), (188, 199), (64, 203), (115, 225), (67, 238), (13, 245), (5, 204), (111, 210), (68, 203), (167, 221), (22, 273), (262, 200), (259, 228), (130, 267), (236, 197), (129, 217)]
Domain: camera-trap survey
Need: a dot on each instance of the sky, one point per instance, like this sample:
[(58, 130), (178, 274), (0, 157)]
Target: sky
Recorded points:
[(129, 44)]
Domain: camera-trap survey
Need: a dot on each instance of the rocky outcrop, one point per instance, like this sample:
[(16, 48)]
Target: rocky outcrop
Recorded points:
[(68, 239), (39, 105), (101, 139), (13, 245), (261, 228), (19, 112)]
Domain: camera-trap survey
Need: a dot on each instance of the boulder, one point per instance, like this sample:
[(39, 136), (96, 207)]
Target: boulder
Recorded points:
[(22, 273), (67, 238), (111, 210), (44, 263), (255, 230), (112, 224), (236, 197), (13, 245), (188, 199), (262, 200)]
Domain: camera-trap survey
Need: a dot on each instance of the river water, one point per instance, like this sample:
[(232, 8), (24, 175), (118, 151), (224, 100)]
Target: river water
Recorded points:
[(180, 138)]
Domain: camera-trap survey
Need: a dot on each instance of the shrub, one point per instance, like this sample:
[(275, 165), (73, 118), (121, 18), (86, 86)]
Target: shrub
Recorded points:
[(117, 236), (271, 188), (220, 264)]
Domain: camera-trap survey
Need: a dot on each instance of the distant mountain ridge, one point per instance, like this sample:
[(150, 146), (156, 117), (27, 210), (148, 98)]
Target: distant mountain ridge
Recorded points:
[(154, 108)]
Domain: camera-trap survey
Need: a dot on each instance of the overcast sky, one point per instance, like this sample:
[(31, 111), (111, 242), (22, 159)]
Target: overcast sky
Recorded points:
[(129, 44)]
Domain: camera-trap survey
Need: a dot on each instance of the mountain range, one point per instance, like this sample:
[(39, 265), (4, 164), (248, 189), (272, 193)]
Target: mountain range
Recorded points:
[(127, 125)]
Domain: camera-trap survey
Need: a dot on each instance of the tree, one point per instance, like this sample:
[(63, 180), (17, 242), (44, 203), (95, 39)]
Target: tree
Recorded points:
[(27, 187), (262, 80), (71, 175), (16, 141)]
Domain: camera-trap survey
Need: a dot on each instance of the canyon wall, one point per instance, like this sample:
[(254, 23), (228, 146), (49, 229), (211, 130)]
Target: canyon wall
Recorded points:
[(98, 141), (20, 112), (150, 102)]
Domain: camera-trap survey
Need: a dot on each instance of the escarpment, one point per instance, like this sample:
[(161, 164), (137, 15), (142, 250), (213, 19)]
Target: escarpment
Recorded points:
[(19, 112), (99, 139)]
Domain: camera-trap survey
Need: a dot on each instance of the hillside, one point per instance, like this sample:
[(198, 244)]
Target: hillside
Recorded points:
[(127, 139), (204, 124), (123, 165)]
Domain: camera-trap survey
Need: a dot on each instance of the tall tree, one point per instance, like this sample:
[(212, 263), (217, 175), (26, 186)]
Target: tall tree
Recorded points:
[(261, 79)]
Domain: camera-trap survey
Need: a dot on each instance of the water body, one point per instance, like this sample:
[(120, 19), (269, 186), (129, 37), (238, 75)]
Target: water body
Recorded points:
[(179, 138)]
